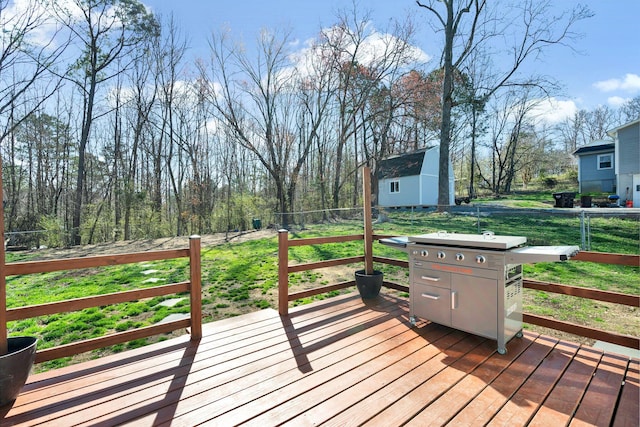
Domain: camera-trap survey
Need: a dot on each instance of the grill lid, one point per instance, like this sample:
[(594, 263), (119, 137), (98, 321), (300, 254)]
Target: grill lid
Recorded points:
[(486, 240)]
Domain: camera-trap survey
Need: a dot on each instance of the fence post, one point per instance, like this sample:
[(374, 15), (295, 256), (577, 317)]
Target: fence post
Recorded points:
[(283, 272), (368, 226), (4, 347), (583, 238), (195, 292), (588, 232)]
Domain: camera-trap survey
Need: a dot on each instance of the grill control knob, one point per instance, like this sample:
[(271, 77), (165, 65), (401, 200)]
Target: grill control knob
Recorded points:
[(480, 259), (459, 257), (424, 253), (441, 255)]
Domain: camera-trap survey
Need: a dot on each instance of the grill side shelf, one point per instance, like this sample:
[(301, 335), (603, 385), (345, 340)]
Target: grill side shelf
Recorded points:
[(533, 254), (395, 242)]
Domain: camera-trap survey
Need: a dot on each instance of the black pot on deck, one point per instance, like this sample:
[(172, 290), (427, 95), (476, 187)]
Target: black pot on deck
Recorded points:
[(369, 284), (15, 367)]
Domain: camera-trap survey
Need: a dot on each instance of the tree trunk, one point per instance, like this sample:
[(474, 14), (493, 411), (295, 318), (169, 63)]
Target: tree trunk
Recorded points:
[(447, 105), (82, 148)]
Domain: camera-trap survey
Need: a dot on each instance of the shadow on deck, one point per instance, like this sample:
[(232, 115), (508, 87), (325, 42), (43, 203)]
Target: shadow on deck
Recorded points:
[(340, 362)]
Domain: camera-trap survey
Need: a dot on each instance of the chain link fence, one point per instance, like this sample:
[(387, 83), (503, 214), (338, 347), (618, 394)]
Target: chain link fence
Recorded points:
[(597, 229)]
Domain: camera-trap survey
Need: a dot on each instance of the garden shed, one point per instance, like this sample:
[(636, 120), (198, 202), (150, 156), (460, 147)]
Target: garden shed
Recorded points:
[(612, 166), (411, 179), (596, 167)]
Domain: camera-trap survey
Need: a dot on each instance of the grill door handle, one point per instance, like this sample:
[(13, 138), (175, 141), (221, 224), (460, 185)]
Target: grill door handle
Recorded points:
[(454, 300), (430, 279), (431, 296)]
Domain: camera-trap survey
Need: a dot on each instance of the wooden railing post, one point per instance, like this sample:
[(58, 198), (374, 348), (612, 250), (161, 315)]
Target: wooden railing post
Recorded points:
[(283, 272), (3, 280), (195, 269), (368, 226)]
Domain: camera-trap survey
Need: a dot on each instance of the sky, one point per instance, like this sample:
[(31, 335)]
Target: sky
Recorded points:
[(604, 71)]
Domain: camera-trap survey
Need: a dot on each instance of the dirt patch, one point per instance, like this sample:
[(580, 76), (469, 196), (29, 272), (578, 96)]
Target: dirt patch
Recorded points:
[(166, 243)]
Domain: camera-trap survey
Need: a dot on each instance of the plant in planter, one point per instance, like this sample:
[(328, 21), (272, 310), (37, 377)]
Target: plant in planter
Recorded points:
[(368, 280), (16, 353)]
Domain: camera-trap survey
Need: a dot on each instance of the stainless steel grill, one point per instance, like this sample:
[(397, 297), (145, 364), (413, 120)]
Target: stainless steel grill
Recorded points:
[(472, 282)]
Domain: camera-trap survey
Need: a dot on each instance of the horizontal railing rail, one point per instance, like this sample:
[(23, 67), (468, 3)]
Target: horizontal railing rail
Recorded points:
[(193, 286), (48, 266), (284, 269)]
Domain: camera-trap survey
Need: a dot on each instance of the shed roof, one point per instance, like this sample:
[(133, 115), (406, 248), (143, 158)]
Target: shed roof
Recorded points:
[(593, 148), (409, 164)]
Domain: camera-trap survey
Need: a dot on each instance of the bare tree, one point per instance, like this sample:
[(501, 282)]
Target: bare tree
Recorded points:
[(510, 128), (23, 65), (363, 59), (599, 121), (108, 32), (467, 25), (168, 53), (257, 101), (631, 109), (573, 131)]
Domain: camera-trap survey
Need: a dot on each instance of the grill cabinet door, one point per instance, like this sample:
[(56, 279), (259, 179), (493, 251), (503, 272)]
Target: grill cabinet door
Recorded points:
[(432, 303), (431, 294), (474, 303)]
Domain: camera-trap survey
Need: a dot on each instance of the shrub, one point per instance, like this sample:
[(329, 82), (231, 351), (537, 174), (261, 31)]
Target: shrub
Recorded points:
[(550, 182)]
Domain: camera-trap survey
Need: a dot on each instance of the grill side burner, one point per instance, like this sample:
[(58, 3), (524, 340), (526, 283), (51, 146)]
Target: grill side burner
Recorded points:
[(471, 282)]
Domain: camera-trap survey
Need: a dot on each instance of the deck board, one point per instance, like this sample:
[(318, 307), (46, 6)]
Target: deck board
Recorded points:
[(337, 362), (599, 401)]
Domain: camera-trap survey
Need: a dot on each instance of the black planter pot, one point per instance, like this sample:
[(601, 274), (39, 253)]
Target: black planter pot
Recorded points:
[(15, 367), (369, 284)]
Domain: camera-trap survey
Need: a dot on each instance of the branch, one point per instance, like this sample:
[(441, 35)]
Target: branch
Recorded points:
[(432, 10)]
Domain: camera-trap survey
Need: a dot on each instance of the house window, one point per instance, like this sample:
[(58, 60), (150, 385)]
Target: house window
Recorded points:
[(395, 186), (605, 161)]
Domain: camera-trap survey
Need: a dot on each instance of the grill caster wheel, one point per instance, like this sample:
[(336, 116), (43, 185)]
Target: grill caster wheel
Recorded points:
[(502, 351), (519, 334), (413, 320)]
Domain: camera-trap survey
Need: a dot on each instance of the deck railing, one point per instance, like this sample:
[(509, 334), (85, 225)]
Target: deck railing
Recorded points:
[(284, 269), (284, 243), (193, 286)]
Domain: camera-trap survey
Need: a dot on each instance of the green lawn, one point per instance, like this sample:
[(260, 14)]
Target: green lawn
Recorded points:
[(242, 277)]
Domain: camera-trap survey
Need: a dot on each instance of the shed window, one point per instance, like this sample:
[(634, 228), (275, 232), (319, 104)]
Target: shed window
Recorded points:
[(395, 186), (605, 161)]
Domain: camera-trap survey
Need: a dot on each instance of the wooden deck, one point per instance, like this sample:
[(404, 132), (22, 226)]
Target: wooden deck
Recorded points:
[(338, 362)]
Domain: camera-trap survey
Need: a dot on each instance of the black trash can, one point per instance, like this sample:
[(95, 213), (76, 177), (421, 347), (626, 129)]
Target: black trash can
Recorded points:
[(257, 223), (585, 201), (564, 199), (558, 199)]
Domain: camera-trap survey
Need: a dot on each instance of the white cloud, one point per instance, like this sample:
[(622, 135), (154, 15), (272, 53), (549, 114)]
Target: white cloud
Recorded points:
[(29, 17), (630, 83), (373, 45), (617, 101), (553, 110)]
